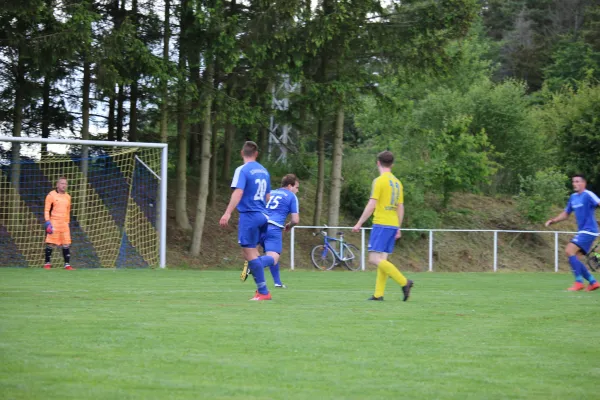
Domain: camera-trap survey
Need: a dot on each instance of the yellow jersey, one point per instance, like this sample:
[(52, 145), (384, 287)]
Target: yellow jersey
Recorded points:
[(388, 192)]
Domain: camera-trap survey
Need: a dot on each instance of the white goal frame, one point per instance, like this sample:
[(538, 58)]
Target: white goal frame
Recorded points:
[(162, 250)]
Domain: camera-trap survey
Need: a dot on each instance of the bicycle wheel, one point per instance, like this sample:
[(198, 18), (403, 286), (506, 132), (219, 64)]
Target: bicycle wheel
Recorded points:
[(592, 261), (351, 257), (322, 258)]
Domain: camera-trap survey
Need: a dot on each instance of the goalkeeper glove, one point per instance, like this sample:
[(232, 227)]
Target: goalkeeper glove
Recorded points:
[(48, 227)]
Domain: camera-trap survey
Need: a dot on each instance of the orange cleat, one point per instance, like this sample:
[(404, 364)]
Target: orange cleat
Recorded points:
[(69, 268), (576, 287), (47, 266), (260, 297), (592, 286)]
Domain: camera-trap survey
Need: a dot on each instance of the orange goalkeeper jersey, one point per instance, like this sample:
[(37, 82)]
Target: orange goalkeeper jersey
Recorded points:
[(58, 208)]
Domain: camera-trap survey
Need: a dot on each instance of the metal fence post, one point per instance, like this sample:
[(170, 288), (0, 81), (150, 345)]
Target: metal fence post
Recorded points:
[(555, 251), (362, 248), (430, 251), (495, 251), (292, 242)]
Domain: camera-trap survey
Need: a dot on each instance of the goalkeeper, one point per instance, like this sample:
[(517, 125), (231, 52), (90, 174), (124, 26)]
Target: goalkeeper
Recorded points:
[(57, 213)]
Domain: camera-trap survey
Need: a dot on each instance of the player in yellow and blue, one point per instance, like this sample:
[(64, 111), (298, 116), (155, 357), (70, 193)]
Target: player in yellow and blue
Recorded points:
[(583, 202), (251, 186), (387, 202), (283, 202)]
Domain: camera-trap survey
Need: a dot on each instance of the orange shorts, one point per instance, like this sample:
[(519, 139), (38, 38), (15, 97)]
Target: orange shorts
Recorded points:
[(61, 235)]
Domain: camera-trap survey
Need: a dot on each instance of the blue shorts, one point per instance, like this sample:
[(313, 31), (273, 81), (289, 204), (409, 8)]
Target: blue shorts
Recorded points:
[(250, 227), (383, 238), (272, 240), (584, 241)]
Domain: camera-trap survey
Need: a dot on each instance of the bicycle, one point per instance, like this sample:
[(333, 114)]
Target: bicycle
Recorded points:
[(593, 258), (324, 257)]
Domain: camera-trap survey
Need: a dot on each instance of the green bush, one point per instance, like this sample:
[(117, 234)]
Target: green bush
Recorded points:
[(540, 192)]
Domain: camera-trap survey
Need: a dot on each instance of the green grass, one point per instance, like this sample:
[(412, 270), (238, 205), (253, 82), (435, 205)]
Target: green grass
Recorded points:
[(143, 334)]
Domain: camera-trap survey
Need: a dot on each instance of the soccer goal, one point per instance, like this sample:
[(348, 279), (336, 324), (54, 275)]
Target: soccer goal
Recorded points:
[(118, 201)]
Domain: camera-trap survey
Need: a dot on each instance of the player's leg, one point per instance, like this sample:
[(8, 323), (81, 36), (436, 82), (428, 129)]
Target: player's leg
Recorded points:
[(48, 256), (382, 242), (248, 237), (273, 246), (578, 268), (381, 280), (66, 248), (581, 244)]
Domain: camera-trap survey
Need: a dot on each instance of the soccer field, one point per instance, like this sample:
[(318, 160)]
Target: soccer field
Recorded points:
[(147, 334)]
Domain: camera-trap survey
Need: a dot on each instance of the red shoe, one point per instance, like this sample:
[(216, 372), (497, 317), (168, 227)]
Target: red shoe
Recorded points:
[(260, 297), (69, 268), (592, 286), (576, 287), (47, 266)]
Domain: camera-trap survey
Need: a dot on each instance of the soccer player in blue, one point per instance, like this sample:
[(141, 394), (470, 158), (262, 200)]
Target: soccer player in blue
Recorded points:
[(251, 186), (583, 202), (387, 203), (283, 202)]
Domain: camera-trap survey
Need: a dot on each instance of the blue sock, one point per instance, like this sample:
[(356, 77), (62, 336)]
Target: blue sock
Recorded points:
[(266, 261), (577, 267), (258, 273), (275, 272)]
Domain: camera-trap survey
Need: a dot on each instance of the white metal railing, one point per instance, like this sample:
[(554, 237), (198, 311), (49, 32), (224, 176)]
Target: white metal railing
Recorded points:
[(431, 242)]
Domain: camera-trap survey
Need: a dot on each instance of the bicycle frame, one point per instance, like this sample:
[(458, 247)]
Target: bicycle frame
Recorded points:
[(327, 246)]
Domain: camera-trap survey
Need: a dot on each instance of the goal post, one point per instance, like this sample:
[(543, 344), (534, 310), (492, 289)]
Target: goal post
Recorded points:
[(119, 200)]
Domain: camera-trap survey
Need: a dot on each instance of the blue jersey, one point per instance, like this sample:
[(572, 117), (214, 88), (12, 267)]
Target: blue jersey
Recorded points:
[(282, 203), (255, 181), (584, 205)]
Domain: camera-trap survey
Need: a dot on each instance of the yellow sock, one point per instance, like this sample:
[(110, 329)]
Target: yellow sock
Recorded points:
[(380, 282), (393, 272)]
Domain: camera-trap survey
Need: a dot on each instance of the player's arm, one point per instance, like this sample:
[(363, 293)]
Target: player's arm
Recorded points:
[(236, 196), (560, 217), (294, 220), (68, 217), (47, 209), (400, 212), (368, 211)]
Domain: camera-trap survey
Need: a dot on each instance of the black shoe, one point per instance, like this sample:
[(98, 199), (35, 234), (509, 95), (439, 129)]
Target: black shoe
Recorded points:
[(376, 298), (406, 289)]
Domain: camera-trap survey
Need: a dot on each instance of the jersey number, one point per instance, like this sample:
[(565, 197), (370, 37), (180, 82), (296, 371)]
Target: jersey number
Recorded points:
[(273, 202), (261, 189)]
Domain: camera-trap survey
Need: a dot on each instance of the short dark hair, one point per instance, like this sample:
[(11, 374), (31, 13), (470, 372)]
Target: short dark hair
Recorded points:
[(579, 176), (61, 178), (385, 158), (289, 179), (250, 148)]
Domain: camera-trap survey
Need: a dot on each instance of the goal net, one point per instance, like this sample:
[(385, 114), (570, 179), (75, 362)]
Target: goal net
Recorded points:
[(115, 195)]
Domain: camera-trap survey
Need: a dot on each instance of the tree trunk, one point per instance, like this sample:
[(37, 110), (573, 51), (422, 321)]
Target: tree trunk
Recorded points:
[(133, 112), (164, 109), (120, 116), (320, 172), (85, 135), (336, 171), (204, 165), (196, 127), (111, 117), (17, 124), (212, 195), (46, 113), (263, 133), (181, 215), (227, 145)]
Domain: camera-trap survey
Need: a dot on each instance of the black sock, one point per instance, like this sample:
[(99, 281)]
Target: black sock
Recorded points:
[(48, 254), (67, 255)]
